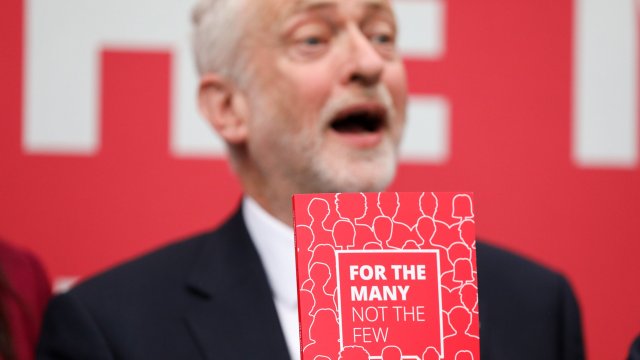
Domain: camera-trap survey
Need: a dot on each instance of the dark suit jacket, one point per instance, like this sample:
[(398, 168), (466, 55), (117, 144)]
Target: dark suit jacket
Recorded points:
[(634, 351), (208, 298)]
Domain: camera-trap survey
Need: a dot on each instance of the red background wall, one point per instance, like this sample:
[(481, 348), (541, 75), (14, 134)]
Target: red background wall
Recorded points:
[(508, 75)]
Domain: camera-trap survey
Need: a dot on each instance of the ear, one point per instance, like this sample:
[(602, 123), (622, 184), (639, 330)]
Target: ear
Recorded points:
[(224, 106)]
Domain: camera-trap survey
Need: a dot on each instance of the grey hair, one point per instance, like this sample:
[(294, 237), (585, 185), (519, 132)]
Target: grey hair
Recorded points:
[(218, 27)]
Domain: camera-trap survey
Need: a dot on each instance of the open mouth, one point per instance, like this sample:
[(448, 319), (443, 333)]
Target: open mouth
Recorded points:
[(360, 120)]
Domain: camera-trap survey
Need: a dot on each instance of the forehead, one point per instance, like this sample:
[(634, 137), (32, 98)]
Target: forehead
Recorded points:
[(301, 5), (285, 8)]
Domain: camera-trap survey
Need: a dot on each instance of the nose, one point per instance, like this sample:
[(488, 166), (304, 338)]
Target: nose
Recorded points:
[(364, 65)]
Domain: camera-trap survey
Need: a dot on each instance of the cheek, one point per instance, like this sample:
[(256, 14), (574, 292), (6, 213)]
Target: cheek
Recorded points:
[(396, 81), (305, 87), (311, 88)]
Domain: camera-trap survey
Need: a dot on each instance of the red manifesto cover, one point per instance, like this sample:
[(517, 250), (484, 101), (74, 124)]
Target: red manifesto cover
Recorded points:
[(386, 276)]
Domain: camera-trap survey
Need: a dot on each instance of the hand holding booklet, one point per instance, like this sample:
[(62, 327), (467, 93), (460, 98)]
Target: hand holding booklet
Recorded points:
[(386, 276)]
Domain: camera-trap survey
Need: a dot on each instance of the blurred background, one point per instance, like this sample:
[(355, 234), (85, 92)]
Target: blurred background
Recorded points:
[(532, 105)]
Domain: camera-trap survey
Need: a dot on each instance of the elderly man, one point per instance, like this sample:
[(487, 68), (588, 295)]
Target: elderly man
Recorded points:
[(309, 96)]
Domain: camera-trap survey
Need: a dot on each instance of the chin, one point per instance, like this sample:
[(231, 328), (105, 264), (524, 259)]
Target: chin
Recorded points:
[(359, 175)]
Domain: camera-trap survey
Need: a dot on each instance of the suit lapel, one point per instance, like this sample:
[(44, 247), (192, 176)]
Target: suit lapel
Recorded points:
[(236, 317)]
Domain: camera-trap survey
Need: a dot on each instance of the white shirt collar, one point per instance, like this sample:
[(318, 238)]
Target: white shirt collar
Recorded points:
[(274, 241)]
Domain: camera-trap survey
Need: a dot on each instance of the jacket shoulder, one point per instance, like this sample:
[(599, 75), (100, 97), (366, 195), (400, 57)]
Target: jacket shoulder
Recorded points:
[(499, 264), (527, 311), (158, 269)]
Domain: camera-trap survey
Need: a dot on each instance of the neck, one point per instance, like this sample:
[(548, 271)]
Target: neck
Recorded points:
[(273, 199), (281, 210)]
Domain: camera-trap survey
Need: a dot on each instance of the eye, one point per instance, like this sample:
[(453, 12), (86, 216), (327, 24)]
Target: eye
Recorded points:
[(382, 35), (311, 46), (310, 41), (382, 39)]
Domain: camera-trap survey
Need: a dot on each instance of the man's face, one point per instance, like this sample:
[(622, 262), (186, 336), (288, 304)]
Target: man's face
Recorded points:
[(326, 93)]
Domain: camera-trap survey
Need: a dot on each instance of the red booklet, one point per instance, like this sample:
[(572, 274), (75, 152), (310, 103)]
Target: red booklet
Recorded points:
[(386, 276)]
